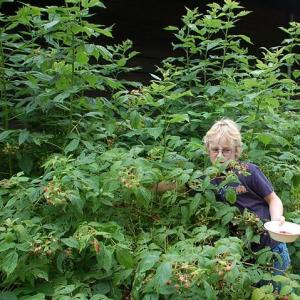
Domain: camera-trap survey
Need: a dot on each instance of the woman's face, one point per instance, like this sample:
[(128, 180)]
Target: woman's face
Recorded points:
[(222, 150)]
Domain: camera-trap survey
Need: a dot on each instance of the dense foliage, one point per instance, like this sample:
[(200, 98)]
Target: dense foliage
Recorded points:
[(81, 149)]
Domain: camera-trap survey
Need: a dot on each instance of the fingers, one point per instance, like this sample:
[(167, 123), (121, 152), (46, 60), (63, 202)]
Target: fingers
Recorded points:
[(281, 220)]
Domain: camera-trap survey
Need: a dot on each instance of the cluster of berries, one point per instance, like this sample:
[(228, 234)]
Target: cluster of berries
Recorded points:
[(10, 149), (129, 178), (54, 194)]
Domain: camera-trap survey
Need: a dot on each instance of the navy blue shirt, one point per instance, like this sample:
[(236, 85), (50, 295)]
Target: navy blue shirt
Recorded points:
[(251, 191)]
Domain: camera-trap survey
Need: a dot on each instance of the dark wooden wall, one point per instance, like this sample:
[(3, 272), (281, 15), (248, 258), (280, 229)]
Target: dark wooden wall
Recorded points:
[(143, 21)]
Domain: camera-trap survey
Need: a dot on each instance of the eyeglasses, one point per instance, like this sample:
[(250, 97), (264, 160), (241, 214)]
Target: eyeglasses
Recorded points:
[(225, 151)]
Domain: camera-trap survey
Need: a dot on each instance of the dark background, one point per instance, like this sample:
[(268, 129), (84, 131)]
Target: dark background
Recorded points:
[(143, 22)]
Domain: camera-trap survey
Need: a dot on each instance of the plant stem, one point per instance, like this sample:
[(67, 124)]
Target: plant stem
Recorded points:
[(5, 100), (205, 59), (225, 47), (4, 87), (72, 79)]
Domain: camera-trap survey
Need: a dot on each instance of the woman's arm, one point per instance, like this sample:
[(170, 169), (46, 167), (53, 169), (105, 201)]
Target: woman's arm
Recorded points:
[(275, 207), (164, 186)]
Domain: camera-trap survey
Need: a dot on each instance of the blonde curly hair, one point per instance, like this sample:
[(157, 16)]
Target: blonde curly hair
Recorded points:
[(227, 130)]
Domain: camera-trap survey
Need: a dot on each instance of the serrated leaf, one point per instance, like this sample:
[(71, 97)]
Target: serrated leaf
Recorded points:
[(51, 24), (81, 56), (72, 146), (179, 118), (171, 28), (265, 138), (230, 195), (258, 294), (209, 291), (245, 38), (125, 258), (91, 3), (143, 196), (155, 132), (71, 242), (10, 261), (104, 257), (8, 296), (135, 119), (25, 163), (4, 135), (148, 261), (163, 273), (23, 136), (38, 296), (211, 90), (5, 246)]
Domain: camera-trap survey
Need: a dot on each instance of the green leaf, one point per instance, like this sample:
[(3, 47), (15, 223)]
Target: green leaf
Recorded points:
[(82, 56), (155, 132), (38, 273), (100, 297), (296, 74), (102, 287), (121, 62), (5, 246), (258, 294), (245, 38), (125, 258), (230, 195), (286, 290), (91, 3), (104, 53), (23, 136), (65, 290), (195, 203), (151, 297), (256, 154), (104, 257), (171, 28), (25, 163), (212, 45), (148, 261), (73, 145), (10, 261), (265, 138), (38, 296), (51, 24), (77, 201), (4, 135), (163, 273), (71, 242), (211, 90), (209, 291), (135, 119), (179, 118), (8, 296), (143, 196), (227, 218)]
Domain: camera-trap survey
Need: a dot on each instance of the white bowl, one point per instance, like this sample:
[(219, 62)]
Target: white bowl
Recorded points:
[(288, 232)]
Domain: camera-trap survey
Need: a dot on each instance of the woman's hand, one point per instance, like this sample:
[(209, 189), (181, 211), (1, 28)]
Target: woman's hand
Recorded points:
[(281, 220)]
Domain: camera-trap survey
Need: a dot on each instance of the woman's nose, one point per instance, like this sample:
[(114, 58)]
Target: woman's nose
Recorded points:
[(220, 153)]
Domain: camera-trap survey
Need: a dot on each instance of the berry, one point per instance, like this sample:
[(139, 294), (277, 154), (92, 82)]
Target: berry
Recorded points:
[(186, 285), (228, 268)]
